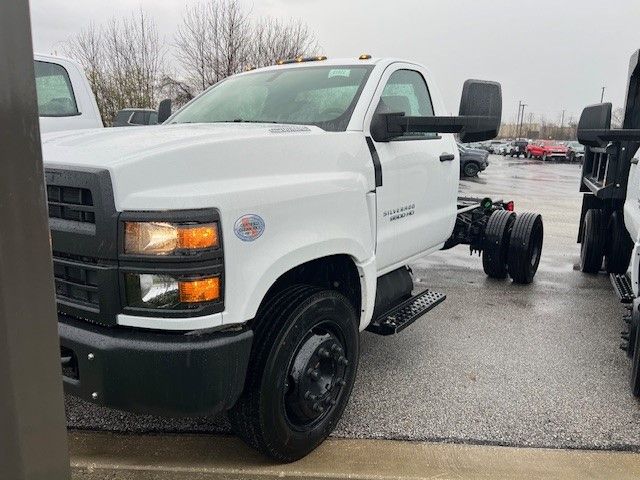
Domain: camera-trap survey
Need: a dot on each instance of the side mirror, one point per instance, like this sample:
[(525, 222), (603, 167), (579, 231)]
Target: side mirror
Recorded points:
[(481, 109), (164, 110), (595, 119), (479, 119)]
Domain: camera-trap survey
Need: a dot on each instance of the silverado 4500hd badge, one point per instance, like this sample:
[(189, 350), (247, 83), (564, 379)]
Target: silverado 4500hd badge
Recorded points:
[(249, 227)]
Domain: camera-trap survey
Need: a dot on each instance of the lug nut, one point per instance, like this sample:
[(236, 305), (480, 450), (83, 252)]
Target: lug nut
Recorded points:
[(314, 374), (343, 361), (324, 353), (318, 408), (341, 382)]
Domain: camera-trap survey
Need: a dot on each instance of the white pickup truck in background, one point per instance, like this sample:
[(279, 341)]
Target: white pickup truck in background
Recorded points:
[(65, 99)]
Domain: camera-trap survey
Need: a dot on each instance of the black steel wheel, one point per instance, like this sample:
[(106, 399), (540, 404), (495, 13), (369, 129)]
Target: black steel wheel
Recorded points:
[(617, 252), (592, 242), (302, 369), (525, 247), (495, 246), (471, 169)]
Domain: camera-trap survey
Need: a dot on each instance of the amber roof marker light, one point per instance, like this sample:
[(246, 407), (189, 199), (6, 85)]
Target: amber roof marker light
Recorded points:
[(364, 56)]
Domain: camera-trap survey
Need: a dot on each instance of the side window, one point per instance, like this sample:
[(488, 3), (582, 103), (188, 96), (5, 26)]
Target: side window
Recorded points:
[(54, 90), (407, 92)]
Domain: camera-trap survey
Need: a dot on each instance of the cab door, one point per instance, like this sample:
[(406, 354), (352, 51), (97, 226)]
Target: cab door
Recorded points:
[(416, 203)]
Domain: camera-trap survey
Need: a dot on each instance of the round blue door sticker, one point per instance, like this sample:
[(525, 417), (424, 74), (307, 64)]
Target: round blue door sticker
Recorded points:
[(249, 227)]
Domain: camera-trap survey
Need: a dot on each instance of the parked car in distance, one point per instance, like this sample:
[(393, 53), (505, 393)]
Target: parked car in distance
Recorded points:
[(575, 151), (546, 150), (65, 99), (494, 146), (472, 160), (518, 147), (135, 117)]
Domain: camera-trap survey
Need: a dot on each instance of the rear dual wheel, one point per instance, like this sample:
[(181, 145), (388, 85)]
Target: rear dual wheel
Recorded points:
[(513, 245), (302, 369), (592, 241), (525, 247), (496, 243)]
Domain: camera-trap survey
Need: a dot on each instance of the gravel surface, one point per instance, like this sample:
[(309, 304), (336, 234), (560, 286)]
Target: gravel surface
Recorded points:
[(496, 363)]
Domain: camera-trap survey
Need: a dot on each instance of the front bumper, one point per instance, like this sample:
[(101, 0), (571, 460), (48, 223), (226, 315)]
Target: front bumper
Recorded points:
[(151, 372)]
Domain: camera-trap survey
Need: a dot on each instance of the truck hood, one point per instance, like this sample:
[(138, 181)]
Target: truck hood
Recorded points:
[(110, 147), (186, 166)]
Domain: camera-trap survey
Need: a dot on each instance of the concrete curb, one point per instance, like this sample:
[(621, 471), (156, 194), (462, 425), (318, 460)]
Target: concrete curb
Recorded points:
[(170, 457)]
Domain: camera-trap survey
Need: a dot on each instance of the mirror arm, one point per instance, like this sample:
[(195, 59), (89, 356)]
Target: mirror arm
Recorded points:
[(595, 137), (399, 124)]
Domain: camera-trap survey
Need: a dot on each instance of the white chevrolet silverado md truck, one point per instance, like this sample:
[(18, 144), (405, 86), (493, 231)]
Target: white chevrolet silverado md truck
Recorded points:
[(228, 259)]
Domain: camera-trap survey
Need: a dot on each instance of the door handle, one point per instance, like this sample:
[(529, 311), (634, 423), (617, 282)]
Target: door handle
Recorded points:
[(634, 161), (447, 157)]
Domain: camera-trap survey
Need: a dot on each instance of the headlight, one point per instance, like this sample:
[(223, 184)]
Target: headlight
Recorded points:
[(168, 292), (161, 238)]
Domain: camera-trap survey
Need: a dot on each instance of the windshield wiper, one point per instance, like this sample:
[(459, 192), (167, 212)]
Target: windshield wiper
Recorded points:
[(241, 120)]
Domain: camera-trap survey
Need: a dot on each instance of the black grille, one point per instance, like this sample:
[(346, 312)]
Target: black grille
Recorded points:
[(71, 203), (77, 282)]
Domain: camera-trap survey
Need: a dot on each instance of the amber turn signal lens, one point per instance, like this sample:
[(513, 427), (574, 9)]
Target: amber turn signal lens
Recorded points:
[(195, 291), (198, 237)]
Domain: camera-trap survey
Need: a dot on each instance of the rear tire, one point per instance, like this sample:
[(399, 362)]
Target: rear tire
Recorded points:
[(495, 248), (302, 368), (525, 247), (592, 244), (618, 249)]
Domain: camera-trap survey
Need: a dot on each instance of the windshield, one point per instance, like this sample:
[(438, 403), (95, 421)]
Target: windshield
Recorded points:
[(321, 96)]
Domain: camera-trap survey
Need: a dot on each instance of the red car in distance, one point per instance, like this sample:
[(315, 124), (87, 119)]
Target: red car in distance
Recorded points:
[(546, 150)]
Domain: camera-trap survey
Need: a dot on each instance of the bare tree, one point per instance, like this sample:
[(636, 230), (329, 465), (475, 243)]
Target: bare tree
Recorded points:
[(217, 38), (274, 40), (124, 61)]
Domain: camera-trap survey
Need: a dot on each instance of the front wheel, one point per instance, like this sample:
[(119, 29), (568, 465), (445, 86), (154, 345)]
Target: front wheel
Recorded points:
[(302, 369), (617, 252)]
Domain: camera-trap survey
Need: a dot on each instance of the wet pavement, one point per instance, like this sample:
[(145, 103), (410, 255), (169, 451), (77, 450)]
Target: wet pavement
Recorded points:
[(496, 363)]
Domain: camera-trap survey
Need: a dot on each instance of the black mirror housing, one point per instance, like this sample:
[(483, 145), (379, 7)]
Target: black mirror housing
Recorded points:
[(164, 110), (481, 105), (594, 119), (479, 119)]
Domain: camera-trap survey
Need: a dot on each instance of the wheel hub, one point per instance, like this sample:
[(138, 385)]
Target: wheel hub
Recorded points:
[(315, 378)]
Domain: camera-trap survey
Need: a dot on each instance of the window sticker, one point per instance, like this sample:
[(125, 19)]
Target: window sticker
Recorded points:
[(339, 72)]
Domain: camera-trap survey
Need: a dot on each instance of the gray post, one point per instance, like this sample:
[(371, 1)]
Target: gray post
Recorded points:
[(33, 441)]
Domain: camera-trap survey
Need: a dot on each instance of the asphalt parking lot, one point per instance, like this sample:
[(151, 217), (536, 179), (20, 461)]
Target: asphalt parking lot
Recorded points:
[(496, 363)]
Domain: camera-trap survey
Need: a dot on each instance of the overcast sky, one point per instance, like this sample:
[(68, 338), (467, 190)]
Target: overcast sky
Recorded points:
[(553, 55)]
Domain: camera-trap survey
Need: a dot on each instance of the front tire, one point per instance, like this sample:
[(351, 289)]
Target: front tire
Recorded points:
[(301, 372), (618, 249), (592, 244)]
